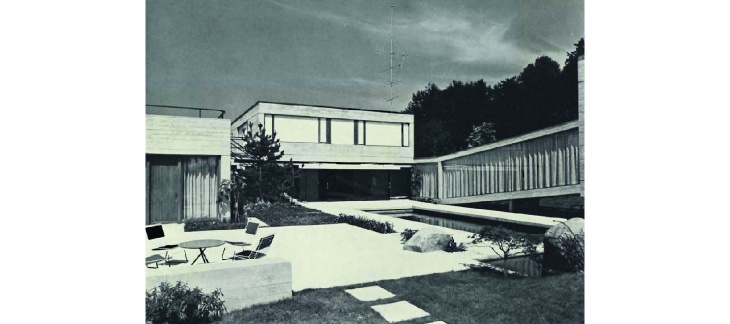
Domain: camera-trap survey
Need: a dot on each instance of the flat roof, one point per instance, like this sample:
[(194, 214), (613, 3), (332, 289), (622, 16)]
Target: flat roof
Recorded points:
[(317, 106)]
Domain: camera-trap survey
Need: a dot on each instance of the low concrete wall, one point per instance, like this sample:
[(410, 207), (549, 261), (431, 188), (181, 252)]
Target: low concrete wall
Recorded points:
[(243, 283)]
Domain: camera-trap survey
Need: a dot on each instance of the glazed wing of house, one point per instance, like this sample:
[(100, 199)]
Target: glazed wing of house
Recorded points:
[(317, 134)]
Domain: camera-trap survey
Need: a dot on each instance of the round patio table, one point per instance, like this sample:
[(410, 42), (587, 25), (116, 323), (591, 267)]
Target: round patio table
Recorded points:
[(201, 245)]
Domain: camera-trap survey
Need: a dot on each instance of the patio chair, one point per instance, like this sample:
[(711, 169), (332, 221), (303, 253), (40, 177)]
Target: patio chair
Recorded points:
[(264, 245), (251, 229), (156, 232)]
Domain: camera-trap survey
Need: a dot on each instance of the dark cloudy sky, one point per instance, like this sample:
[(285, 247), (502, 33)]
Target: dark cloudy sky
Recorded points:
[(230, 54)]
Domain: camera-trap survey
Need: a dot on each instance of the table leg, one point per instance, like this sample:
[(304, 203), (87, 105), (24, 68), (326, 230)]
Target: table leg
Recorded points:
[(205, 259), (196, 259)]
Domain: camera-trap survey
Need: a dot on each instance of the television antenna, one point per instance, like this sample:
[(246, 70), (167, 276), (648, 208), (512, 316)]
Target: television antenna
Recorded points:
[(393, 68)]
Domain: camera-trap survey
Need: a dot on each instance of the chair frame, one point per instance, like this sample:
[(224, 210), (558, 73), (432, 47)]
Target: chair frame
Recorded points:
[(251, 229), (264, 244), (166, 248)]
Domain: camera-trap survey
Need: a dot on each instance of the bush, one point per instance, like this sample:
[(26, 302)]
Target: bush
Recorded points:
[(426, 200), (508, 242), (407, 234), (572, 252), (211, 224), (453, 247), (369, 224), (180, 304)]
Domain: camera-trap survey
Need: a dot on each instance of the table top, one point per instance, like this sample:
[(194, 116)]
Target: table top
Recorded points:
[(201, 244)]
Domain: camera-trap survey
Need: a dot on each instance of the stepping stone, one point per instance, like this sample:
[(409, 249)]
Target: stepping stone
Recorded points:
[(437, 322), (369, 293), (399, 311)]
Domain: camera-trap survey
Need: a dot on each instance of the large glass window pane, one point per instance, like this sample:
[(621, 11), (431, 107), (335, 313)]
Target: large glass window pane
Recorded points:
[(384, 134), (342, 130), (296, 129)]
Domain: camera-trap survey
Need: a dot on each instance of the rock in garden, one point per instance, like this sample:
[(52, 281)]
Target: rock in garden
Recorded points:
[(563, 246), (427, 240)]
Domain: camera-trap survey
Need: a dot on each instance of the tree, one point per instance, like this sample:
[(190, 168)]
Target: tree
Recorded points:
[(260, 147), (482, 134), (509, 243), (540, 96), (444, 118), (569, 82), (264, 177)]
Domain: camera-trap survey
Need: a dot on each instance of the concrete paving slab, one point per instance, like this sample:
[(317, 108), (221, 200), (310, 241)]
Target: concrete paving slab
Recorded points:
[(399, 311), (370, 293), (346, 254)]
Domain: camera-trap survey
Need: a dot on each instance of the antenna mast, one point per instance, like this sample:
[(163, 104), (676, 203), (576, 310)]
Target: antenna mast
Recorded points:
[(380, 51), (391, 57)]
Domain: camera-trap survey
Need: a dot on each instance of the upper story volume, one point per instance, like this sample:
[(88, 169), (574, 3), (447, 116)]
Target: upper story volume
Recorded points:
[(322, 134)]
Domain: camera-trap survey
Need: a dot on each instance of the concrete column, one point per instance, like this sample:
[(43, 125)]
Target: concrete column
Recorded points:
[(440, 172), (581, 122)]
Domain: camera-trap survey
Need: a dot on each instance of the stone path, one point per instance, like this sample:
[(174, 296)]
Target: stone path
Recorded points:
[(391, 312)]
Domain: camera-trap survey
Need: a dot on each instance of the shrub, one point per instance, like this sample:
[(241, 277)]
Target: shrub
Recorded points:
[(426, 200), (407, 234), (180, 304), (369, 224), (572, 248), (453, 247), (416, 182), (211, 224), (508, 242)]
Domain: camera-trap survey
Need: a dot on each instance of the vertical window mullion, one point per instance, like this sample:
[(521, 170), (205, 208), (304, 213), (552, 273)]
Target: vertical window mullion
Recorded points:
[(356, 139), (329, 130)]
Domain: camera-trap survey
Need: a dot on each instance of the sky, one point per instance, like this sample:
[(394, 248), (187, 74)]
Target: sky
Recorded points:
[(229, 54)]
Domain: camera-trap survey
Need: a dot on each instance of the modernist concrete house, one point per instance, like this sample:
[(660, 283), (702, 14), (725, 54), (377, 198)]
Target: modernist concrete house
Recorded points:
[(343, 153), (186, 158)]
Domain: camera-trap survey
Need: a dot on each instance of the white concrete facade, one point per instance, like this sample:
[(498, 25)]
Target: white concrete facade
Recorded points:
[(318, 134), (190, 137)]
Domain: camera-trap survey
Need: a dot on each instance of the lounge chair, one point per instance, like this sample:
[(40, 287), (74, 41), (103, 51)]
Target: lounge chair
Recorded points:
[(264, 245), (251, 229), (156, 232), (154, 259)]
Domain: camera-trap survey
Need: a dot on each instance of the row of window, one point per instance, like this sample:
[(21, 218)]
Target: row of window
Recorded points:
[(336, 131)]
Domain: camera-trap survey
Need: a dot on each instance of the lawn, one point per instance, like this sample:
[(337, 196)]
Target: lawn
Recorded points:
[(472, 296)]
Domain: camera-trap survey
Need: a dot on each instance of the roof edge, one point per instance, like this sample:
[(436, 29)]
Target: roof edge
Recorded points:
[(317, 106)]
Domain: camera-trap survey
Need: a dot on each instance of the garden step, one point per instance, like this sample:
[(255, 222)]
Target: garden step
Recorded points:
[(369, 293), (399, 311)]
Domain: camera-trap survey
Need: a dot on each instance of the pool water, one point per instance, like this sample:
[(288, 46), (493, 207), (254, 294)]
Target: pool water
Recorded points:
[(462, 223)]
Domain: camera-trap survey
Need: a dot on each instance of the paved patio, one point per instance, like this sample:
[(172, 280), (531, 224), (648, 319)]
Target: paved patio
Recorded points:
[(324, 256)]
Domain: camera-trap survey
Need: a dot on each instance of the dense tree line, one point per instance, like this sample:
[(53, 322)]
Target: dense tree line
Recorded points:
[(468, 114)]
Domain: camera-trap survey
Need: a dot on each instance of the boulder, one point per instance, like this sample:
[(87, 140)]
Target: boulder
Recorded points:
[(572, 226), (559, 258), (427, 240)]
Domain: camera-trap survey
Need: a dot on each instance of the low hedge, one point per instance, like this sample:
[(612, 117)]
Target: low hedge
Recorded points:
[(210, 224), (369, 224)]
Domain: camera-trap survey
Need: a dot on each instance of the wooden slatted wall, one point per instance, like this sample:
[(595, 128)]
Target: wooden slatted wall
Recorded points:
[(429, 182), (544, 162)]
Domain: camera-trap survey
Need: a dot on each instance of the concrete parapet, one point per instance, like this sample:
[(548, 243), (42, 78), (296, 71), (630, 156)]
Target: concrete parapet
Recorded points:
[(243, 283)]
